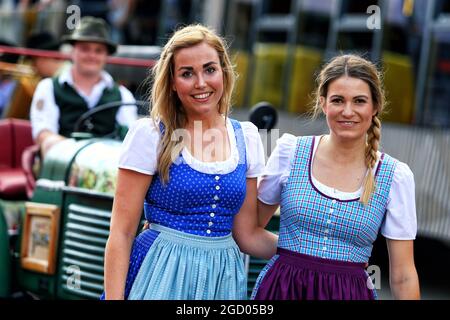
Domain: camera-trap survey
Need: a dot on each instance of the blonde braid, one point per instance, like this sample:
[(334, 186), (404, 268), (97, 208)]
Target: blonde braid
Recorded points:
[(373, 142)]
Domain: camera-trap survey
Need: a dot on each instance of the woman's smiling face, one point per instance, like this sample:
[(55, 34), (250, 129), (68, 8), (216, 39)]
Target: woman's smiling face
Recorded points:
[(349, 108), (198, 79)]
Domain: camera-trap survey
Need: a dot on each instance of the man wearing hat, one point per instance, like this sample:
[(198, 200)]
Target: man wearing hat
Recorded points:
[(58, 102)]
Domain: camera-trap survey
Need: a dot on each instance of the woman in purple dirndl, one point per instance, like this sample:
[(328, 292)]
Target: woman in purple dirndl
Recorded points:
[(336, 192)]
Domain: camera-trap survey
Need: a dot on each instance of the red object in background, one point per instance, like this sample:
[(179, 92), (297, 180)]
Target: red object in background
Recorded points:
[(444, 66), (16, 137)]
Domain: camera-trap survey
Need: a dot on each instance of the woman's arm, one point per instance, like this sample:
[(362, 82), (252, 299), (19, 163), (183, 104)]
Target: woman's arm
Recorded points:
[(265, 213), (403, 276), (252, 238), (126, 213)]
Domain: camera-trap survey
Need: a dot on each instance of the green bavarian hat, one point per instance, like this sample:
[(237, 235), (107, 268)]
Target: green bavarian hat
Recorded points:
[(91, 29)]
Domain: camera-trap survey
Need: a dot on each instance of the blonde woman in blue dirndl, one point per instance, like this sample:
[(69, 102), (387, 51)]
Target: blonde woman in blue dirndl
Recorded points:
[(193, 170)]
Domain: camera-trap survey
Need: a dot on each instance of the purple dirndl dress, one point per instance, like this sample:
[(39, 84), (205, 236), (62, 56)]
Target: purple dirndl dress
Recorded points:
[(324, 243)]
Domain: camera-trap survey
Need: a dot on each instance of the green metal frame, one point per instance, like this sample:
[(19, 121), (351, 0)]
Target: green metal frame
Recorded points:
[(85, 229), (56, 168), (5, 258)]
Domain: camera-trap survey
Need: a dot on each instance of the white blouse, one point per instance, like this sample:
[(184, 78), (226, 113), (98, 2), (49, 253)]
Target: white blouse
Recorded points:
[(141, 145), (400, 222)]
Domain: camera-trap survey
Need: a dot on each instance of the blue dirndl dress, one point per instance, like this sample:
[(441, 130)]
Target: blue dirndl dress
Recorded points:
[(324, 243), (188, 252)]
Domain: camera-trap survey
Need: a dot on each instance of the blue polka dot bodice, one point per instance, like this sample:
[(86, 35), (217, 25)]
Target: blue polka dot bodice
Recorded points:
[(196, 202)]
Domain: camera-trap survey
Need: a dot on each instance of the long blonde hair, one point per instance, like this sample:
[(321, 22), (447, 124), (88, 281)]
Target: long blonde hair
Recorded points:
[(165, 104), (357, 67)]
